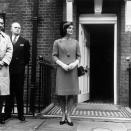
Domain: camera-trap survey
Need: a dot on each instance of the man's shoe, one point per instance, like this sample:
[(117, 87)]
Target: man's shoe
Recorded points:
[(21, 118)]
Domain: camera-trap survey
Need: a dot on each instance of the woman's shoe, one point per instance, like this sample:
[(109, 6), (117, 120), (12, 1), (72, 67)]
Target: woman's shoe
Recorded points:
[(62, 122), (70, 123)]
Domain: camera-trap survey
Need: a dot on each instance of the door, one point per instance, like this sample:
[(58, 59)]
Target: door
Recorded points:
[(84, 42), (101, 62), (103, 19)]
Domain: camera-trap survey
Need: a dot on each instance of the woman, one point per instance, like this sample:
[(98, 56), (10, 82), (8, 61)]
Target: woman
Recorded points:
[(6, 50), (66, 54)]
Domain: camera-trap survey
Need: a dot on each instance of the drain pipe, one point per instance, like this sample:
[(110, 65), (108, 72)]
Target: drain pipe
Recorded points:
[(34, 54), (34, 40)]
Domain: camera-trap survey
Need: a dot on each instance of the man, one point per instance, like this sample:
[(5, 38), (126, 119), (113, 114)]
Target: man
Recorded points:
[(20, 59), (6, 50)]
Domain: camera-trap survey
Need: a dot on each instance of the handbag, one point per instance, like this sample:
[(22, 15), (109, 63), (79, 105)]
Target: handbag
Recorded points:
[(81, 71)]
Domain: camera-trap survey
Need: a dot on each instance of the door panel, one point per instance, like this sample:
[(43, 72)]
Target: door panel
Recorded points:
[(84, 42)]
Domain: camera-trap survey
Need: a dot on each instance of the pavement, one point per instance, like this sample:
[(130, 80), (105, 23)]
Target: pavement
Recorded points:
[(52, 124)]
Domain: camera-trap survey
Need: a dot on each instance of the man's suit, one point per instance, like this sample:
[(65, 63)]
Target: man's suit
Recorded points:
[(21, 55)]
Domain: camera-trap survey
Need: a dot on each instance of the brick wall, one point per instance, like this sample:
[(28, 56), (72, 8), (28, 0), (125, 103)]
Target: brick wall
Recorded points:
[(50, 16), (19, 10), (125, 50)]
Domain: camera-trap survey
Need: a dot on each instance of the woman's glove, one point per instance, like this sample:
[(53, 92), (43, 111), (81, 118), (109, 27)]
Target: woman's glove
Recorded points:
[(73, 65), (64, 66)]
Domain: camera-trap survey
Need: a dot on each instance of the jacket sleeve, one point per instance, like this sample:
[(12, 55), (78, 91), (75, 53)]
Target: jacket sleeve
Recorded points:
[(9, 51), (27, 52), (55, 53)]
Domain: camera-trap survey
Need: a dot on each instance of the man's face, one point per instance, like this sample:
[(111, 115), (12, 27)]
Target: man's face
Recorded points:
[(16, 28), (1, 23)]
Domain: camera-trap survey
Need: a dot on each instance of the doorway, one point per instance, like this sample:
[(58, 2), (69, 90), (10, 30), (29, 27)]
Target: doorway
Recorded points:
[(101, 62), (100, 53)]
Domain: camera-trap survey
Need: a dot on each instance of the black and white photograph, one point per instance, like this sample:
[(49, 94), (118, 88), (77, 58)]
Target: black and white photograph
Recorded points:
[(65, 65)]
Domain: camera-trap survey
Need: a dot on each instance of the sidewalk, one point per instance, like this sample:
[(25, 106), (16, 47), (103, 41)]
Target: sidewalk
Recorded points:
[(38, 124)]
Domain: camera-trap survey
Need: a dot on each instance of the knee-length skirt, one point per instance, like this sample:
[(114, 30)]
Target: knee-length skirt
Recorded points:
[(67, 82)]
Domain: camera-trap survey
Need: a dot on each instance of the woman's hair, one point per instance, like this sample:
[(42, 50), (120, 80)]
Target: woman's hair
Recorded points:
[(64, 27)]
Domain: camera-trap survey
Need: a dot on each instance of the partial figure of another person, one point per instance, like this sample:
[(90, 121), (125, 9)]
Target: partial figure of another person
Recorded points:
[(66, 54), (20, 59), (6, 50)]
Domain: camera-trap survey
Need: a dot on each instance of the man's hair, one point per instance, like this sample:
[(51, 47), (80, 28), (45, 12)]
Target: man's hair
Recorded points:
[(14, 23)]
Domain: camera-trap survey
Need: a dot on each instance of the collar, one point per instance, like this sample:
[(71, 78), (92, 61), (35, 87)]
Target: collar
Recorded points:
[(67, 38), (2, 34), (15, 36)]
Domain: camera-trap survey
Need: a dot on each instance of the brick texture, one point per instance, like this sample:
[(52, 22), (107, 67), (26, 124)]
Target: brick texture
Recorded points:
[(50, 16), (125, 50)]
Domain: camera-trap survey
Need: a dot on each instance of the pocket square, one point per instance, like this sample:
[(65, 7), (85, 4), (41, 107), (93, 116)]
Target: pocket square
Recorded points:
[(21, 44)]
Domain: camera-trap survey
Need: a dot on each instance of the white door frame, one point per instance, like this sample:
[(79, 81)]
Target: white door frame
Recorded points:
[(105, 19)]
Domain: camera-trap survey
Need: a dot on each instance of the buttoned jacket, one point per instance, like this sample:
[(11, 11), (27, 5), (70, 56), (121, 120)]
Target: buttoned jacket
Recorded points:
[(21, 56)]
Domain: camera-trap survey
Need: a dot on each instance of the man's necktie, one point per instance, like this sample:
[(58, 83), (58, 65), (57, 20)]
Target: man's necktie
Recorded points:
[(14, 40)]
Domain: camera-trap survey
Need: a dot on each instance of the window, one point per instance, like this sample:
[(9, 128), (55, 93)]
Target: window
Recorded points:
[(128, 16)]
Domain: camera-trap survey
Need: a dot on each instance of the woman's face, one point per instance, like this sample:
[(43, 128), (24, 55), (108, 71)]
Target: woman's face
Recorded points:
[(70, 30)]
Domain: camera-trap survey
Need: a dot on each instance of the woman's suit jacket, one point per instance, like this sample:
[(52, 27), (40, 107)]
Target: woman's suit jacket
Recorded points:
[(66, 51), (6, 50)]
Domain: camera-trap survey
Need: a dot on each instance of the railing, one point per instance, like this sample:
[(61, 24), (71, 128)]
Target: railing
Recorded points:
[(45, 83), (38, 95)]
